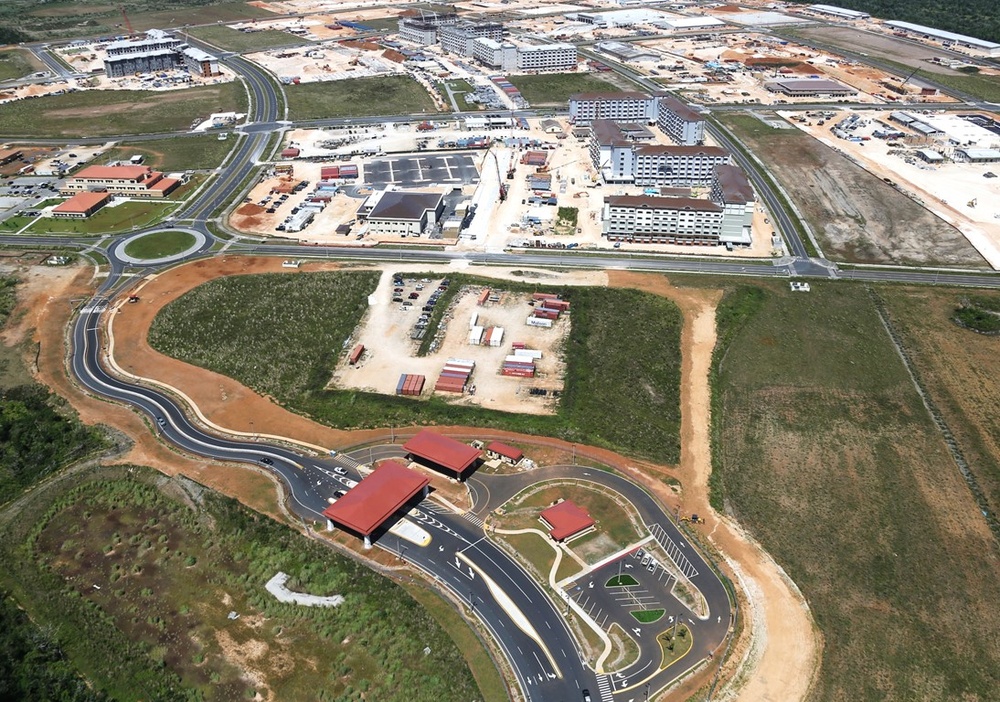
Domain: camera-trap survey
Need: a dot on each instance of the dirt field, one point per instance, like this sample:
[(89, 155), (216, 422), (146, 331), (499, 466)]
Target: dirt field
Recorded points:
[(957, 193), (856, 216), (907, 52), (385, 332)]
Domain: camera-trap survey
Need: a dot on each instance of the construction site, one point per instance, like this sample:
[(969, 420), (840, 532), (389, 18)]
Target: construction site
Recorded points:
[(329, 61), (492, 348), (917, 153)]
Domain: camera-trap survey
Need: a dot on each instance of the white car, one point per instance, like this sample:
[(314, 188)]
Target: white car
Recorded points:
[(339, 471)]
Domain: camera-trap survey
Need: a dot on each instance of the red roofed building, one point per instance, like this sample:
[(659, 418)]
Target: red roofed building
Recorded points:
[(507, 454), (566, 520), (375, 499), (81, 205), (134, 181), (442, 453)]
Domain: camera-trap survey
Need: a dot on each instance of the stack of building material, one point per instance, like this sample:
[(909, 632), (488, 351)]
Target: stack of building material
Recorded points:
[(455, 375), (540, 181), (535, 158), (518, 366), (411, 385)]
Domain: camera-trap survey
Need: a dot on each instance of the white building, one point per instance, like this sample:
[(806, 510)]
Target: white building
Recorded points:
[(398, 213), (732, 191), (679, 122), (988, 47), (546, 57), (458, 38), (839, 12), (677, 165), (662, 220), (584, 108), (493, 54)]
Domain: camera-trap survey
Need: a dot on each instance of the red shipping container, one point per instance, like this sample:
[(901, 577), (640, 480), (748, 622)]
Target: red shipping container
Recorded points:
[(483, 297), (329, 172), (544, 296), (356, 354), (519, 345)]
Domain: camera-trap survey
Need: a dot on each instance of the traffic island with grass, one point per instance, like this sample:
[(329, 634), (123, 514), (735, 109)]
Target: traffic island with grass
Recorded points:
[(160, 245), (648, 616), (624, 580), (675, 644)]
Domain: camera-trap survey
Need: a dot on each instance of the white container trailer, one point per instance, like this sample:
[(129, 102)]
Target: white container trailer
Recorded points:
[(473, 320), (462, 362), (496, 339), (538, 322), (528, 353), (475, 336)]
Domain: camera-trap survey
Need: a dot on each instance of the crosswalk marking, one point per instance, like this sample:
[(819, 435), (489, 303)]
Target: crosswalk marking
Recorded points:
[(478, 521), (604, 687)]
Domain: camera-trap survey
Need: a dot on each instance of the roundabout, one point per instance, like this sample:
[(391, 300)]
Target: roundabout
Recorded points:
[(158, 247)]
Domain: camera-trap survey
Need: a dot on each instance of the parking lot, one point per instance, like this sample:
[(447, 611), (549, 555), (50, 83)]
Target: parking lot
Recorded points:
[(612, 605), (417, 171)]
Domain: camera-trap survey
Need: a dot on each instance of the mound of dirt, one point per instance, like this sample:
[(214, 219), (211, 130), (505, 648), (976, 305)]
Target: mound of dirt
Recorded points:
[(250, 209)]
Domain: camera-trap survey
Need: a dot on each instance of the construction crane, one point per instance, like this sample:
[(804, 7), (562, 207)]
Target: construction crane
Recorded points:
[(907, 79), (128, 22), (496, 163)]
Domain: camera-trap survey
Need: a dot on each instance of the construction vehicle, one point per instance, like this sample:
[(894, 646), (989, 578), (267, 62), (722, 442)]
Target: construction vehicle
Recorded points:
[(133, 298), (973, 202), (694, 519)]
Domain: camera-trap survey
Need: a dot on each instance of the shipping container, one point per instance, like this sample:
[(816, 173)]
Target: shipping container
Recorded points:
[(561, 305), (544, 296), (483, 297), (518, 345), (356, 354), (516, 373), (418, 385), (527, 353), (538, 322), (329, 172), (461, 362), (547, 314), (475, 336), (401, 383), (473, 320)]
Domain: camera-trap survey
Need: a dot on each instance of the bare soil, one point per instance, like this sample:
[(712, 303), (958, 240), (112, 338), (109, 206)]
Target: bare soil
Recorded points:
[(856, 216), (385, 332)]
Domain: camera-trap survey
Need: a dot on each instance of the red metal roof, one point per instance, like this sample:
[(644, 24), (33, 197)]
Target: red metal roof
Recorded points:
[(82, 202), (376, 498), (566, 519), (510, 452), (445, 452), (114, 172)]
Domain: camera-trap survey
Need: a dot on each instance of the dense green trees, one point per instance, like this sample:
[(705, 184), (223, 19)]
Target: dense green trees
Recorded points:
[(976, 18)]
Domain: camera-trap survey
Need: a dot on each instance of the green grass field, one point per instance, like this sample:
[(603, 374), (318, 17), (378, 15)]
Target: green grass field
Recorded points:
[(648, 616), (824, 451), (623, 371), (64, 19), (160, 245), (14, 63), (358, 97), (118, 112), (555, 88), (177, 153), (171, 569), (107, 220), (624, 580), (245, 42)]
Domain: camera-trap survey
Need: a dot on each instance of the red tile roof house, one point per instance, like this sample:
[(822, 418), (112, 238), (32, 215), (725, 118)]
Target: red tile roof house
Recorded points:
[(567, 520), (134, 181), (507, 454), (81, 205), (371, 503)]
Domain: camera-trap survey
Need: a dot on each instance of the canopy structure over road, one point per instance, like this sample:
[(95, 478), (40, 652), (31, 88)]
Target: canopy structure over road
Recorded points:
[(376, 498), (442, 453)]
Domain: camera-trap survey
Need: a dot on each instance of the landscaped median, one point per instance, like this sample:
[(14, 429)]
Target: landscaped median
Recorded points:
[(160, 244)]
